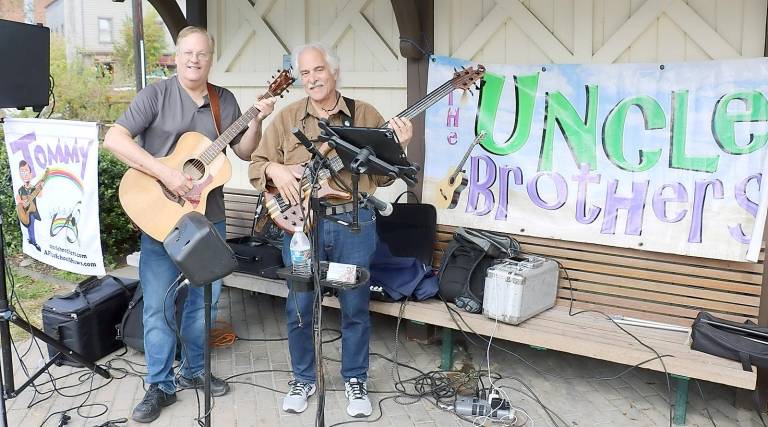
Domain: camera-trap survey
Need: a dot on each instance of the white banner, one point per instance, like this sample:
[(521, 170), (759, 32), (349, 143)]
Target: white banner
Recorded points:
[(54, 165), (659, 157)]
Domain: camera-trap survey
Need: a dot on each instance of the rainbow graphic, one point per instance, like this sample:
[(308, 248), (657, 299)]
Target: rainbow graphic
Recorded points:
[(59, 173)]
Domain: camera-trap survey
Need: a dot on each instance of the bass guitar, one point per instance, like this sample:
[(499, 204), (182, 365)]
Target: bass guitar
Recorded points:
[(156, 209), (451, 187), (28, 206), (289, 217)]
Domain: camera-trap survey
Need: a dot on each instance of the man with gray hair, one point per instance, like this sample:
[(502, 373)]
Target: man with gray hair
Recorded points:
[(158, 116), (318, 67)]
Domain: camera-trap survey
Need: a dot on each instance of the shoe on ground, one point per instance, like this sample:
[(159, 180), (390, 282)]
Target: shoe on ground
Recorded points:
[(357, 393), (154, 401), (295, 401), (219, 387)]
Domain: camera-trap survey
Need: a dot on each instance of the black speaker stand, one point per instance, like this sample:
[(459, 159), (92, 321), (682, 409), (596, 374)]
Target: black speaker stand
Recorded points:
[(8, 314)]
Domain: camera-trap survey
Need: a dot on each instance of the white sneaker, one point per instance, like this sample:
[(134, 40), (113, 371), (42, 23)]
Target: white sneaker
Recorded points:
[(357, 393), (296, 400)]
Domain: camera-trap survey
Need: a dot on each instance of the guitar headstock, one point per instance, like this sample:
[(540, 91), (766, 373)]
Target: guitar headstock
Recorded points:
[(281, 83), (467, 77)]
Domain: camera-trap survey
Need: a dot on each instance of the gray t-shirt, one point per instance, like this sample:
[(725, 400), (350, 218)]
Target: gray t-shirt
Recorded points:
[(163, 111)]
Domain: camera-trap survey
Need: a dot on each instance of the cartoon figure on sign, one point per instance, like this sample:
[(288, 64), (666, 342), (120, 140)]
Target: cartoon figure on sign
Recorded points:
[(26, 202)]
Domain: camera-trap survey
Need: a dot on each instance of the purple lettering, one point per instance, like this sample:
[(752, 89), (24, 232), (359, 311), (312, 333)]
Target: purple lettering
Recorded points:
[(679, 194), (481, 185), (560, 187), (452, 116), (737, 231), (517, 174), (699, 197), (584, 178), (22, 144), (634, 205)]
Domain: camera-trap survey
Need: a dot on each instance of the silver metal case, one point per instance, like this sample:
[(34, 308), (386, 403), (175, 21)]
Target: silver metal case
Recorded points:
[(516, 290)]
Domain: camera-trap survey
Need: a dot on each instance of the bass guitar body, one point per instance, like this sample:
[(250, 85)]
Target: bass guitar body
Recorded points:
[(153, 207)]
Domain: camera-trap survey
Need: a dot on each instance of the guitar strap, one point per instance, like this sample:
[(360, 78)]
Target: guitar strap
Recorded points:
[(351, 105), (213, 98)]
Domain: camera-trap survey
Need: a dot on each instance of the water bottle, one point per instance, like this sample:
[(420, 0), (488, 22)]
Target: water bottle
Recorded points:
[(301, 255)]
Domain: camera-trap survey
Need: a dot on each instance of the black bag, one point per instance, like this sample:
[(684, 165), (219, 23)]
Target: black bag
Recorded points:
[(731, 340), (260, 253), (255, 256), (130, 330), (465, 262), (85, 319)]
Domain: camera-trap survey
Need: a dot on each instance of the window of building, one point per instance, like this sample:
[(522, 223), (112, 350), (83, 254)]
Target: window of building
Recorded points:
[(105, 30)]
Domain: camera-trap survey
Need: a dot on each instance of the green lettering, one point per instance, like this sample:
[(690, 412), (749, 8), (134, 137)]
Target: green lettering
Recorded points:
[(525, 98), (580, 135), (723, 121), (677, 158), (613, 132)]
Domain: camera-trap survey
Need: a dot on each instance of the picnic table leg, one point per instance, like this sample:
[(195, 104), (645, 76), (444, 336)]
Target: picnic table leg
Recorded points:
[(447, 356), (682, 398)]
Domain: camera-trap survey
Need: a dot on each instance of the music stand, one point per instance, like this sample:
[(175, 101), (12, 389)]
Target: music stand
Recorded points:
[(371, 151)]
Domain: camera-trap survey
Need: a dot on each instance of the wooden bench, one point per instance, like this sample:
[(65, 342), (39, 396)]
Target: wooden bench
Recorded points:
[(661, 287)]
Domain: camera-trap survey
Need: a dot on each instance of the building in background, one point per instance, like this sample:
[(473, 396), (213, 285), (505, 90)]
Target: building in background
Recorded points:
[(91, 28), (14, 10)]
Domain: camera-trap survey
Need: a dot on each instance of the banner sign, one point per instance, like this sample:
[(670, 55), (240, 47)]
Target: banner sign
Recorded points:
[(54, 165), (665, 158)]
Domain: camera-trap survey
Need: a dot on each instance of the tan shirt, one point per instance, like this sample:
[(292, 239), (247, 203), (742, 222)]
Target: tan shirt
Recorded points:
[(278, 144)]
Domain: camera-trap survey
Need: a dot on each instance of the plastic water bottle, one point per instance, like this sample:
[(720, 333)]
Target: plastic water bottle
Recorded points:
[(301, 254)]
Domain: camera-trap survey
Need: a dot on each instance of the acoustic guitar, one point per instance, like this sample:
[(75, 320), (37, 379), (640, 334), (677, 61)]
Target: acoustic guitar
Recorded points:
[(28, 205), (155, 208), (289, 217), (451, 187)]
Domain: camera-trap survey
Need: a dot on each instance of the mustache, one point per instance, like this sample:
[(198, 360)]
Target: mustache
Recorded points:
[(316, 84)]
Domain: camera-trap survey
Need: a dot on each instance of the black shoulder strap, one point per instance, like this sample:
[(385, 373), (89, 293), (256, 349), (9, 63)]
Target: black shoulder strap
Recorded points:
[(351, 105)]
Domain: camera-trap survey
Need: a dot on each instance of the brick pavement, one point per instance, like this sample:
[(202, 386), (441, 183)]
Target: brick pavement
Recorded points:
[(638, 398)]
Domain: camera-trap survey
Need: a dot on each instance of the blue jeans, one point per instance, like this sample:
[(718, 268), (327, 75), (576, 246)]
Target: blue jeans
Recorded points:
[(156, 274), (337, 244)]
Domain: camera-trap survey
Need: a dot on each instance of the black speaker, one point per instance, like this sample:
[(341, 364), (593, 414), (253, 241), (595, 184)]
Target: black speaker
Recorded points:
[(198, 250), (25, 50)]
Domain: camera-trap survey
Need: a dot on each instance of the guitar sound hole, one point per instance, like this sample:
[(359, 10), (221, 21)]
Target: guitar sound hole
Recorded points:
[(194, 168)]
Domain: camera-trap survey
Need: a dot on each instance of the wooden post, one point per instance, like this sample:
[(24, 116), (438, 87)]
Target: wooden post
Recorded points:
[(197, 13), (761, 392), (172, 16), (417, 35)]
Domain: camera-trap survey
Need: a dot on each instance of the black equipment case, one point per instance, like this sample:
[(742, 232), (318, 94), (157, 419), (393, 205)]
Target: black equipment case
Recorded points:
[(85, 319)]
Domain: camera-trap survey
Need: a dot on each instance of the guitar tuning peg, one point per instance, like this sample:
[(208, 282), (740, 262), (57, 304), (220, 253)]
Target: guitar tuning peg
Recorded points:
[(454, 69), (463, 68), (477, 86)]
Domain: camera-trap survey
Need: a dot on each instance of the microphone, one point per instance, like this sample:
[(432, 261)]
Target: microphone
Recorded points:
[(382, 207), (303, 140)]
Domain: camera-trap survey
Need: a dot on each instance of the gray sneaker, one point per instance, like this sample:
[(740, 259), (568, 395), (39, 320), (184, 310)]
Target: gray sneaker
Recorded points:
[(295, 401), (357, 393)]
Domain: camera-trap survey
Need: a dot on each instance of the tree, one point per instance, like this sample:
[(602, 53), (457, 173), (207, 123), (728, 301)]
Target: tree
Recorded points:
[(154, 46)]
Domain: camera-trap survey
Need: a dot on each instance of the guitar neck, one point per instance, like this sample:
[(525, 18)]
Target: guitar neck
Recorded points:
[(426, 102), (232, 131)]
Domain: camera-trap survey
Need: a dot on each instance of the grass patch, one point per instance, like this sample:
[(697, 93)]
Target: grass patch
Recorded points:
[(30, 294), (69, 276)]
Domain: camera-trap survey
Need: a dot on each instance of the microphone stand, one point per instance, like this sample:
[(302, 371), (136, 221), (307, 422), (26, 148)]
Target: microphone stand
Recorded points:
[(365, 161)]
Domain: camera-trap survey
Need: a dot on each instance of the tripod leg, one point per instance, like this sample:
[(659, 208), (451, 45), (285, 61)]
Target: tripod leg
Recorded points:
[(61, 348)]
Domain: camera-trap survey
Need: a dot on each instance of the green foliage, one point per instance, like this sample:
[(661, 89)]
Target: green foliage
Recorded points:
[(11, 231), (118, 237), (81, 92), (154, 46)]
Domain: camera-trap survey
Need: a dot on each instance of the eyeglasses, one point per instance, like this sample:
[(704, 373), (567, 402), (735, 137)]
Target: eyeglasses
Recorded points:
[(201, 56)]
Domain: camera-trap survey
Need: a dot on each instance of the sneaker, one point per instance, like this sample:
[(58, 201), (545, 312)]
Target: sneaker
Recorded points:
[(219, 387), (357, 393), (295, 401), (154, 401)]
